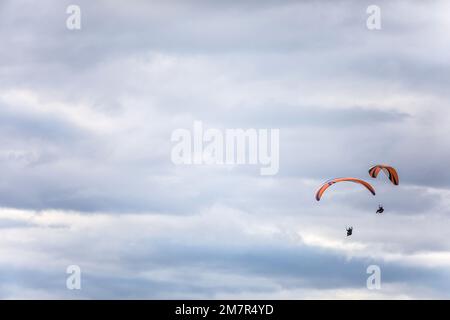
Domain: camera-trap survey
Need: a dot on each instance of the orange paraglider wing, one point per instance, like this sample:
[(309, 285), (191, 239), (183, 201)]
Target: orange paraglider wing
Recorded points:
[(329, 183), (389, 171)]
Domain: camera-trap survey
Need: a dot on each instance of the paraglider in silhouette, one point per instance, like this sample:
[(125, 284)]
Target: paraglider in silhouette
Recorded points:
[(380, 209), (349, 231), (390, 172), (329, 183)]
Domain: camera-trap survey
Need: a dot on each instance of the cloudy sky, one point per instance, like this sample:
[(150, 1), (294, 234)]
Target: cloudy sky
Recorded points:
[(86, 118)]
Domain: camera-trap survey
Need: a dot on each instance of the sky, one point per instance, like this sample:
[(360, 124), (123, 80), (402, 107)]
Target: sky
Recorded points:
[(86, 118)]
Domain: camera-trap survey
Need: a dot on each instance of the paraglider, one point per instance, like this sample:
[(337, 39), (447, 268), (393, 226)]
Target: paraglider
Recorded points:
[(349, 231), (389, 171), (380, 209), (329, 183)]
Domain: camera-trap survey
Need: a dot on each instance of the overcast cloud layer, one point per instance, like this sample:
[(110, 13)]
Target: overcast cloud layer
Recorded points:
[(86, 119)]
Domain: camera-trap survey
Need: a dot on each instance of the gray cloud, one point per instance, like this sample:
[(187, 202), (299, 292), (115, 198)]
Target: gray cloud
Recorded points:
[(85, 125)]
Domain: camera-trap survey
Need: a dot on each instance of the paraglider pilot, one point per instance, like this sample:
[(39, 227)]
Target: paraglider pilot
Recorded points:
[(349, 231), (380, 209)]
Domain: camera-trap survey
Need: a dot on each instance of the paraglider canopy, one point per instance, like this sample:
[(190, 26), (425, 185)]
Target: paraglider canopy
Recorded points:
[(329, 183), (389, 171)]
